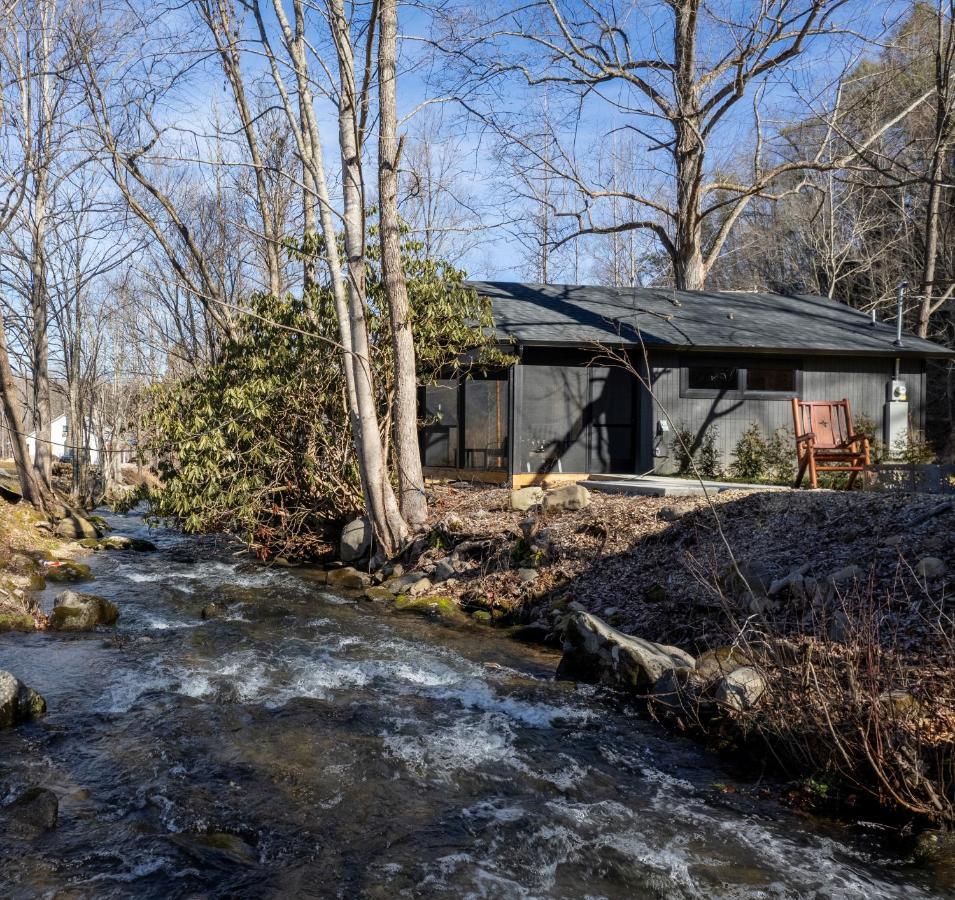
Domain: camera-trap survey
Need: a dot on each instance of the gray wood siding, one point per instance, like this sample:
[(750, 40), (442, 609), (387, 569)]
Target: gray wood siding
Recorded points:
[(862, 380)]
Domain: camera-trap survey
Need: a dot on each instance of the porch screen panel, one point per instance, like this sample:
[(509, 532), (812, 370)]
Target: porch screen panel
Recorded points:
[(554, 407), (485, 424), (439, 436), (612, 431)]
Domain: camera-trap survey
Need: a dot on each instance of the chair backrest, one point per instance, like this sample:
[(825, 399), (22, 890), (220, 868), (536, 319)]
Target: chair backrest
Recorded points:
[(829, 420)]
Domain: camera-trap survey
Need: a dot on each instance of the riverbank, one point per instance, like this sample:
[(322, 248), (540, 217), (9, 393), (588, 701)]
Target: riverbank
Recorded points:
[(308, 740), (835, 608), (30, 554)]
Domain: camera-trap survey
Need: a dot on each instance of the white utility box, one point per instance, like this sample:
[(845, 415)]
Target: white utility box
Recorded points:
[(896, 417)]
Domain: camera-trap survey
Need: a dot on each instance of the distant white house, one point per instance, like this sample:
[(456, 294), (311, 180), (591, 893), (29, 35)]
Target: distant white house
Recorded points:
[(61, 445)]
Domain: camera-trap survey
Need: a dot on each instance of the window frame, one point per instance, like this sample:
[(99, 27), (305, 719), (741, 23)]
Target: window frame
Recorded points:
[(709, 393), (459, 447), (742, 364)]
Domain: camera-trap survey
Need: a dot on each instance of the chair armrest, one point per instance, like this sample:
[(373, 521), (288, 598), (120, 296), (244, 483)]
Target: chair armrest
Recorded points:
[(808, 436), (857, 437)]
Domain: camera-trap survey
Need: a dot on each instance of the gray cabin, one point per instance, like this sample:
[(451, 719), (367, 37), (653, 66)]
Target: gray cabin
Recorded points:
[(604, 375)]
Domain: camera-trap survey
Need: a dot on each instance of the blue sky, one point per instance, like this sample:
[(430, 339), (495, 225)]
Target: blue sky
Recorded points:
[(495, 253)]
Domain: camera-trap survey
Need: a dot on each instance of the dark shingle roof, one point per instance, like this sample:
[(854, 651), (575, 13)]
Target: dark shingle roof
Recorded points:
[(699, 320)]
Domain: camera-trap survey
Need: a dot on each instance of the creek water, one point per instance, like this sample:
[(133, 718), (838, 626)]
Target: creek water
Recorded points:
[(312, 745)]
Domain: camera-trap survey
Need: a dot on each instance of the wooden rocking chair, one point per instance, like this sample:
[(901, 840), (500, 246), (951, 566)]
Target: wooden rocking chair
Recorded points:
[(825, 441)]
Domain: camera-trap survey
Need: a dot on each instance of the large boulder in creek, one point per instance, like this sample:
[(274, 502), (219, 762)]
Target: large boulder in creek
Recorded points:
[(347, 577), (75, 527), (31, 812), (67, 570), (443, 608), (566, 498), (81, 612), (355, 540), (18, 703), (594, 651), (122, 542)]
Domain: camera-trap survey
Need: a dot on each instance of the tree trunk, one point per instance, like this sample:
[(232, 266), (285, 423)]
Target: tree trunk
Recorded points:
[(382, 507), (221, 22), (34, 490), (931, 244), (74, 435), (39, 339), (414, 504), (689, 269)]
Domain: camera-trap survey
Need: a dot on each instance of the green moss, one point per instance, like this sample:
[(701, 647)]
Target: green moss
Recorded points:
[(68, 618), (90, 543), (482, 616), (434, 607), (37, 582), (68, 570), (82, 612), (378, 593), (17, 622), (32, 705)]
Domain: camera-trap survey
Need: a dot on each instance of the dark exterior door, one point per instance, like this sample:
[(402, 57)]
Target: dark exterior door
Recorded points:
[(613, 421), (575, 419)]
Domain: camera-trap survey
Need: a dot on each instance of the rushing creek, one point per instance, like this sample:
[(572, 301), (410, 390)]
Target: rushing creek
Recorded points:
[(355, 752)]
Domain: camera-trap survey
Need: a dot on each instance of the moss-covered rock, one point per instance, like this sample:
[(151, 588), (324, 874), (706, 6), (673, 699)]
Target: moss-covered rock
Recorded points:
[(18, 703), (81, 612), (482, 616), (17, 622), (378, 593), (935, 847), (122, 542), (434, 607), (61, 570), (90, 543), (76, 527), (348, 577)]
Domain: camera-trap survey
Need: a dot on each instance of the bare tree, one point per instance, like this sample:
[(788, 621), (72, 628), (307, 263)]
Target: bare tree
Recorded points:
[(437, 194), (676, 75), (220, 18), (414, 504), (941, 144), (124, 95), (88, 243), (32, 45), (349, 88)]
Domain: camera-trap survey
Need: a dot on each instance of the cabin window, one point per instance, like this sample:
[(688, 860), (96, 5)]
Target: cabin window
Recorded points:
[(771, 377), (767, 379), (464, 423), (715, 379), (485, 423), (440, 432)]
